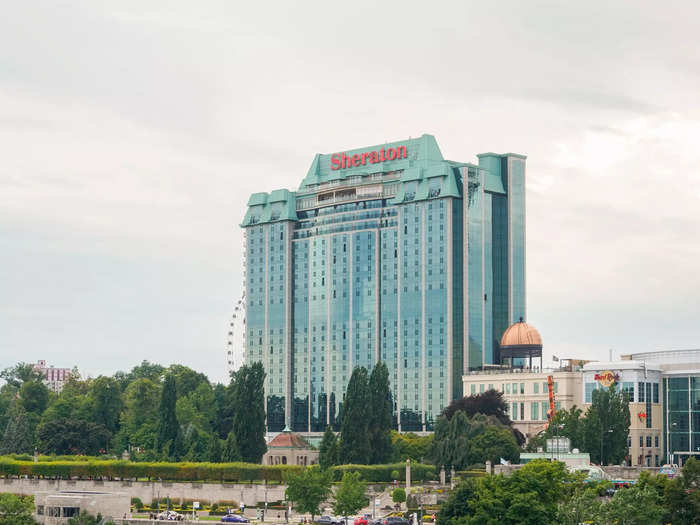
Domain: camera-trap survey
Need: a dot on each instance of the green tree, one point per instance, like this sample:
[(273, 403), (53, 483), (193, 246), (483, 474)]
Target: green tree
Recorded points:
[(19, 374), (18, 437), (72, 436), (398, 495), (197, 407), (568, 423), (16, 510), (307, 489), (168, 427), (582, 506), (249, 411), (350, 495), (214, 450), (231, 451), (681, 495), (380, 417), (139, 419), (34, 396), (607, 426), (354, 437), (186, 379), (328, 449), (410, 446), (528, 496), (632, 506), (491, 444), (106, 397)]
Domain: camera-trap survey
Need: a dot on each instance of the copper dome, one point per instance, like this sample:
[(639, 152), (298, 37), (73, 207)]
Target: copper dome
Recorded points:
[(521, 334)]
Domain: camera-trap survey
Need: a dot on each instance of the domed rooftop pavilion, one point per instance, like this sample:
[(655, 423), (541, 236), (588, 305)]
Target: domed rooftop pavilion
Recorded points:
[(519, 342)]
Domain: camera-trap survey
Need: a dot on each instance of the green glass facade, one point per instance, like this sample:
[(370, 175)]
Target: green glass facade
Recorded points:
[(416, 261)]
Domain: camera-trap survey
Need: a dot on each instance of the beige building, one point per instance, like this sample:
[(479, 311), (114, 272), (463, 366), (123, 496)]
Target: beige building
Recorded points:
[(524, 382), (526, 393), (288, 448), (54, 508)]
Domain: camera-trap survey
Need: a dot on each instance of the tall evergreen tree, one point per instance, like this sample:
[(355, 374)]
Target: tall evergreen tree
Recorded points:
[(231, 451), (214, 449), (168, 427), (380, 420), (18, 437), (354, 437), (248, 398), (607, 426), (328, 450)]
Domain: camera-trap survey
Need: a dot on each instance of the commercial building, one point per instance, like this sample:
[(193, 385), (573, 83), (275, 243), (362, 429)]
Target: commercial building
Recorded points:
[(680, 399), (388, 253), (642, 383), (54, 378), (525, 389)]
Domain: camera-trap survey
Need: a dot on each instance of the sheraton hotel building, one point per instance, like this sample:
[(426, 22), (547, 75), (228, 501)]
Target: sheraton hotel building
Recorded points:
[(390, 253)]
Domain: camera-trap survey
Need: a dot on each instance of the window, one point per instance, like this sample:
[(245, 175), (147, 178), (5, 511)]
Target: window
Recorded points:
[(590, 387), (522, 388), (556, 387), (491, 386), (641, 441), (481, 388), (656, 441), (522, 410), (640, 393), (628, 388), (629, 441), (515, 388), (545, 407), (534, 409), (648, 441), (507, 388), (536, 388), (515, 411), (473, 389), (656, 392)]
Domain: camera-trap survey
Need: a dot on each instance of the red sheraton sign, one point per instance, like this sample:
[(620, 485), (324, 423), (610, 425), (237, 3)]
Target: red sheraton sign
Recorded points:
[(340, 161)]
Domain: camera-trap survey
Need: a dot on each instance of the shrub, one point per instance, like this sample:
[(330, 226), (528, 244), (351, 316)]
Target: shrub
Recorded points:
[(385, 473), (137, 503), (395, 474), (398, 495)]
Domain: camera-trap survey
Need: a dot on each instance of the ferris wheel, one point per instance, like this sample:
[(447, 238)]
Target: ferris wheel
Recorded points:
[(235, 351)]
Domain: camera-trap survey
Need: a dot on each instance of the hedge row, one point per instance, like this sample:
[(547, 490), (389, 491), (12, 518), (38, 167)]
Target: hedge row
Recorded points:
[(216, 472), (387, 473), (130, 470)]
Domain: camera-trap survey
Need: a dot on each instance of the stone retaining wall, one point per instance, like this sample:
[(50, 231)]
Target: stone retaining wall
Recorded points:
[(250, 494)]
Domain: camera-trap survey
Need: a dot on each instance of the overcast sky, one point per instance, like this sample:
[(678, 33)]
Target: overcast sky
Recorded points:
[(132, 133)]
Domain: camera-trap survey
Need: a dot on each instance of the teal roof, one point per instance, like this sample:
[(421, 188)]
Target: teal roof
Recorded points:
[(424, 174), (420, 151)]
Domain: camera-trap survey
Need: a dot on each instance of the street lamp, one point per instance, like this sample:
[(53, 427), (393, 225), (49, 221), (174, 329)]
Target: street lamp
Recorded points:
[(601, 443)]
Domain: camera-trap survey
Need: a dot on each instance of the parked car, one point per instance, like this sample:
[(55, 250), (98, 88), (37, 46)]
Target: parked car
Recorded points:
[(234, 518), (170, 515), (329, 520), (394, 520), (363, 520)]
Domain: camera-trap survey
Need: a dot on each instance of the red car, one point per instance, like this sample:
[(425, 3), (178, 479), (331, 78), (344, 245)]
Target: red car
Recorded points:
[(362, 520)]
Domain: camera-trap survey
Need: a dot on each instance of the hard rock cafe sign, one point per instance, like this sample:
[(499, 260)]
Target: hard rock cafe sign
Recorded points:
[(606, 378)]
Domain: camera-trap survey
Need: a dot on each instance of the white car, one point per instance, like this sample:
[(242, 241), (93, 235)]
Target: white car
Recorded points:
[(170, 515)]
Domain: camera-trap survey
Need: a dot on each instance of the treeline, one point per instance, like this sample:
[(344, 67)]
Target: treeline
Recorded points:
[(547, 494), (213, 472), (158, 413)]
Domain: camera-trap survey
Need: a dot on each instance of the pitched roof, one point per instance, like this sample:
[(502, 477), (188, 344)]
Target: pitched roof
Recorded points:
[(288, 440)]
